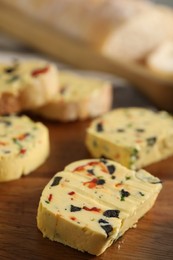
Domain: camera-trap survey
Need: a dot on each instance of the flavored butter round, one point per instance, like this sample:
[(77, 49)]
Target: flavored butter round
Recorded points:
[(24, 145)]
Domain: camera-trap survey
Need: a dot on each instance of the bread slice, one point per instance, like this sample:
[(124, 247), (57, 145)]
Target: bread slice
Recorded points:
[(92, 203), (135, 137), (26, 84), (24, 146), (80, 97), (160, 61)]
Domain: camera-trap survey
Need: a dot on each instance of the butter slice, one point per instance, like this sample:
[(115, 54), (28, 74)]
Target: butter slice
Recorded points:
[(134, 137), (24, 145), (92, 203), (27, 85)]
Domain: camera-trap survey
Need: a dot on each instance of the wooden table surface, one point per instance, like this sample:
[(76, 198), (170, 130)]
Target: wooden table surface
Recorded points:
[(19, 236)]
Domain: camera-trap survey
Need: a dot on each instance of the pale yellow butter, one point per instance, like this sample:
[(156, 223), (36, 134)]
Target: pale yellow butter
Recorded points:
[(92, 203), (134, 137), (24, 145)]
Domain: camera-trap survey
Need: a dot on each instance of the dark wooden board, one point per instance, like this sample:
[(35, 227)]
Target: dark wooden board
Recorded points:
[(19, 236)]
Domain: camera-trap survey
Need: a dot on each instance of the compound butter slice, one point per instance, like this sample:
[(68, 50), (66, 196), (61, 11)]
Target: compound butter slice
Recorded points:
[(92, 203), (26, 85), (134, 137), (24, 145)]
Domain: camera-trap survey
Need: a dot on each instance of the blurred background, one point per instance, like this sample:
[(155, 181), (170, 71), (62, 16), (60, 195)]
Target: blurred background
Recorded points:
[(10, 43), (151, 85)]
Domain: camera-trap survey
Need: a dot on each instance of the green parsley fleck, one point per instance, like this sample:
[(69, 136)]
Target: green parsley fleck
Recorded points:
[(142, 194)]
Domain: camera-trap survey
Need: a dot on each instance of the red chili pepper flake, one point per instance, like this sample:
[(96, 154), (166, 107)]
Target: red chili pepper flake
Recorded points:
[(119, 184), (73, 218), (22, 151), (94, 182), (50, 197), (71, 193), (23, 136), (82, 167), (92, 209), (3, 143), (103, 167), (36, 72), (79, 168), (138, 141), (91, 184), (117, 156)]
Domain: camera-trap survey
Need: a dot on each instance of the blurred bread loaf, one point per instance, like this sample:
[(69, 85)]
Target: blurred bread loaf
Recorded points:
[(124, 30), (80, 97), (140, 35)]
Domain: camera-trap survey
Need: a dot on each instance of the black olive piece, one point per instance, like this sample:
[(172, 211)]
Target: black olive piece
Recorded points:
[(56, 181), (99, 127), (100, 182), (111, 168), (151, 140), (9, 69), (91, 171), (103, 159), (112, 213), (74, 208), (106, 226)]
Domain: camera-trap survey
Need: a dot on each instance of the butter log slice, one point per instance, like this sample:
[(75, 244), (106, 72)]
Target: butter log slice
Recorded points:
[(80, 97), (93, 202), (24, 145), (134, 137), (26, 85)]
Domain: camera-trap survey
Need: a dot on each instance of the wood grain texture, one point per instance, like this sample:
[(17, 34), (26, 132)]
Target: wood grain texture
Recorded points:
[(19, 236)]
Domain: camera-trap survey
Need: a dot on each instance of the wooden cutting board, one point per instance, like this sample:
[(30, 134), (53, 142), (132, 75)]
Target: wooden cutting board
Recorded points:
[(49, 40), (19, 236)]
